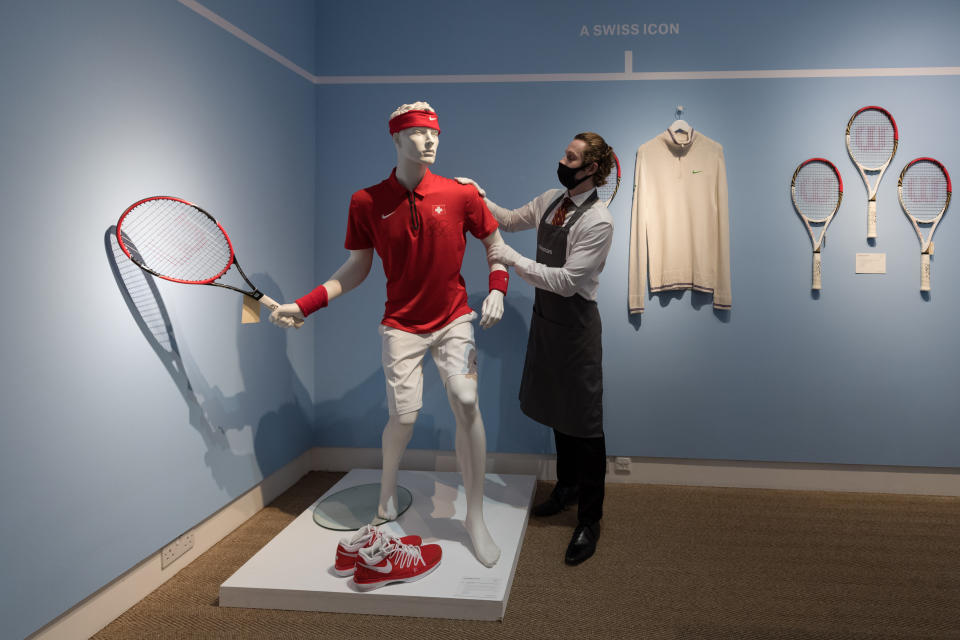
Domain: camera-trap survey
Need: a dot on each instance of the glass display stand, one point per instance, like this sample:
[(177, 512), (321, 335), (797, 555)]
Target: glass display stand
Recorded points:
[(351, 508)]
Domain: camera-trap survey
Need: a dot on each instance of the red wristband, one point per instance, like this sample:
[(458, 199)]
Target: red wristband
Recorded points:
[(316, 299), (499, 280)]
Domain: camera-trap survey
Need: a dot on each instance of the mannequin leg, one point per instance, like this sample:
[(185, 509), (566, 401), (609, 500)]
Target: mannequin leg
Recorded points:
[(471, 447), (396, 436)]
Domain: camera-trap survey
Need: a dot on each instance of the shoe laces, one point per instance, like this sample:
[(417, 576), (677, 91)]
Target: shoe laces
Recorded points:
[(402, 555), (367, 533)]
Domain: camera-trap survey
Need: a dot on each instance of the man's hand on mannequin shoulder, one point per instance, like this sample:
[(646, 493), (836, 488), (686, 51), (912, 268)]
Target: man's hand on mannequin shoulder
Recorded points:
[(492, 310), (483, 194), (287, 316)]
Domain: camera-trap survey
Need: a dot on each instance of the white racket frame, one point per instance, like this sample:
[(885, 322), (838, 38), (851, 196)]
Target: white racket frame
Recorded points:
[(926, 246), (815, 241), (872, 190)]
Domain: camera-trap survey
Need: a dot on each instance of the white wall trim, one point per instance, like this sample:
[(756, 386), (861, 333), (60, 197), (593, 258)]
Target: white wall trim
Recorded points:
[(637, 76), (247, 38), (628, 74), (107, 604), (104, 606)]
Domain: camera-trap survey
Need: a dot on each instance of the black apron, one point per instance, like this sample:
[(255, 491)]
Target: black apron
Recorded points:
[(562, 383)]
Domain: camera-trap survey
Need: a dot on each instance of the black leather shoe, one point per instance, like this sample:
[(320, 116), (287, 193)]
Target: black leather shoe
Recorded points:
[(560, 498), (583, 543)]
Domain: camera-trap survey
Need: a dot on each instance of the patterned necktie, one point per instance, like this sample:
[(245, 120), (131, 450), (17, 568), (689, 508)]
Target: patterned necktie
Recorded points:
[(561, 213)]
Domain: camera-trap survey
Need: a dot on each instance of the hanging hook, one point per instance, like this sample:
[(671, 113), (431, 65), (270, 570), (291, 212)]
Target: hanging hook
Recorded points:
[(679, 113)]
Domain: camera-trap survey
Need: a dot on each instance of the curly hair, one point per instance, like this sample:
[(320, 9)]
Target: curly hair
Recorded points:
[(416, 106), (597, 151)]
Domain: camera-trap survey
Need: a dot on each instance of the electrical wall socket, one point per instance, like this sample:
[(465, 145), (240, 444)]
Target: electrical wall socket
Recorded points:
[(176, 549), (621, 463)]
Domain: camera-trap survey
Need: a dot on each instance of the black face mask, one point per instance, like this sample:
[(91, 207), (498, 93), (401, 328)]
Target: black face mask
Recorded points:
[(566, 175)]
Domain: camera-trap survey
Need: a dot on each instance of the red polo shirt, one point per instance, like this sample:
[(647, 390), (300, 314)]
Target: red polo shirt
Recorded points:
[(420, 236)]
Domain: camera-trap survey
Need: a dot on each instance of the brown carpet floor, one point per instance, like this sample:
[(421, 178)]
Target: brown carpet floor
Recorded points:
[(672, 563)]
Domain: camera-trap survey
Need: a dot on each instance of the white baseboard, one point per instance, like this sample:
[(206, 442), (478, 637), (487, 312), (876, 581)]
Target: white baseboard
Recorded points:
[(107, 604), (104, 606), (710, 473)]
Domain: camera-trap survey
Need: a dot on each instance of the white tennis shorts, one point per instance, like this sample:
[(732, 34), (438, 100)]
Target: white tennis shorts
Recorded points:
[(453, 349)]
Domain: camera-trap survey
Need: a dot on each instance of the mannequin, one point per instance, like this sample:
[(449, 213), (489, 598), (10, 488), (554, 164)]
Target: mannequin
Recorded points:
[(417, 224)]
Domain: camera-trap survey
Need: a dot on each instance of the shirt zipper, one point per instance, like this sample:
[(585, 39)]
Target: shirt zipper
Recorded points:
[(415, 218)]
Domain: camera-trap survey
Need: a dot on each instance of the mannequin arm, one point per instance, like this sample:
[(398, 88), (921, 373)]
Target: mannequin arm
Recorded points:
[(354, 271), (347, 277), (492, 310)]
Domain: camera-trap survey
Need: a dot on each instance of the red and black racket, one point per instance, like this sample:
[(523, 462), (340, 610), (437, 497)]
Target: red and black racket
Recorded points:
[(178, 241)]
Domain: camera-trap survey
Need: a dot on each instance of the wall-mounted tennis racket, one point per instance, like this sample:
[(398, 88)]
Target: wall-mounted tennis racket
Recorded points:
[(924, 189), (816, 190), (872, 140), (608, 190), (178, 241)]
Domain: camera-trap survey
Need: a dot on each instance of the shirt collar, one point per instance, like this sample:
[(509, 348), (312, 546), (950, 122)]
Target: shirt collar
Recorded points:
[(580, 198), (681, 142), (421, 189)]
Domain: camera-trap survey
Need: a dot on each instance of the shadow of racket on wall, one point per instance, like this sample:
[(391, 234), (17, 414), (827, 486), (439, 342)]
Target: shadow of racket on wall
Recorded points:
[(233, 428), (146, 306)]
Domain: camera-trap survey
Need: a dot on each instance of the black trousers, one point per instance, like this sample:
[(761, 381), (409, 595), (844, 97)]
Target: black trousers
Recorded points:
[(583, 462)]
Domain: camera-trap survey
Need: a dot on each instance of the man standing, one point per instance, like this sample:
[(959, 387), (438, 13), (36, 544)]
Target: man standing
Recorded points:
[(562, 383), (417, 222)]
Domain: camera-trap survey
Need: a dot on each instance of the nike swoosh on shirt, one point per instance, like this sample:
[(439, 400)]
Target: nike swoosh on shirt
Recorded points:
[(387, 215), (695, 171), (386, 569)]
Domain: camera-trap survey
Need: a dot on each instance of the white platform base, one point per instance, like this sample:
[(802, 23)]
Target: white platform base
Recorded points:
[(294, 571)]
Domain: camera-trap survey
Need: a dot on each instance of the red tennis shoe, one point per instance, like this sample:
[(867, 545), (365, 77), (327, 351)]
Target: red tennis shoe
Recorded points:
[(366, 536), (390, 560)]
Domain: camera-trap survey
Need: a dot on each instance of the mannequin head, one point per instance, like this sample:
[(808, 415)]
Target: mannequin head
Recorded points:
[(416, 133)]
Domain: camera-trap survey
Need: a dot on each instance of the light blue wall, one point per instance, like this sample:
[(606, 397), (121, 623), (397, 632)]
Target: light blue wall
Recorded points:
[(106, 453), (863, 374), (111, 446)]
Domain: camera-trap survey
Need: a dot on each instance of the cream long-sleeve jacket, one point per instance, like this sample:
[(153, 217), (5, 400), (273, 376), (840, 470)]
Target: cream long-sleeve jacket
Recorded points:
[(680, 231)]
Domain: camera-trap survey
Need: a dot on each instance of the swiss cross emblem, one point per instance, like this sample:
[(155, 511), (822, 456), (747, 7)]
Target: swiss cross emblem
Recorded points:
[(439, 209)]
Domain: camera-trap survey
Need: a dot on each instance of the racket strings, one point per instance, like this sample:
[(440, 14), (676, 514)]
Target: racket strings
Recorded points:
[(608, 189), (871, 139), (923, 190), (177, 240), (816, 191)]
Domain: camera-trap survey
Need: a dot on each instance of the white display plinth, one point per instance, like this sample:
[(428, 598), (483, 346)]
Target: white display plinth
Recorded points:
[(295, 570)]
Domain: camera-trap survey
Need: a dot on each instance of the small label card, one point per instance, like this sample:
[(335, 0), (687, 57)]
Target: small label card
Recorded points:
[(871, 263), (479, 588), (250, 312)]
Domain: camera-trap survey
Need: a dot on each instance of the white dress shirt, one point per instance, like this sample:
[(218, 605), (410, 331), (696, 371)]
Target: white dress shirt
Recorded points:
[(588, 244)]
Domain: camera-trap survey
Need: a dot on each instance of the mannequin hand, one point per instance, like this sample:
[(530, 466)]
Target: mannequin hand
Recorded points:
[(483, 194), (503, 253), (492, 309), (287, 315)]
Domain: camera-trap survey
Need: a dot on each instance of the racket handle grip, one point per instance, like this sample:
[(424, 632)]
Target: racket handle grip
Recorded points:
[(272, 304), (269, 302), (816, 271), (924, 272), (871, 219)]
